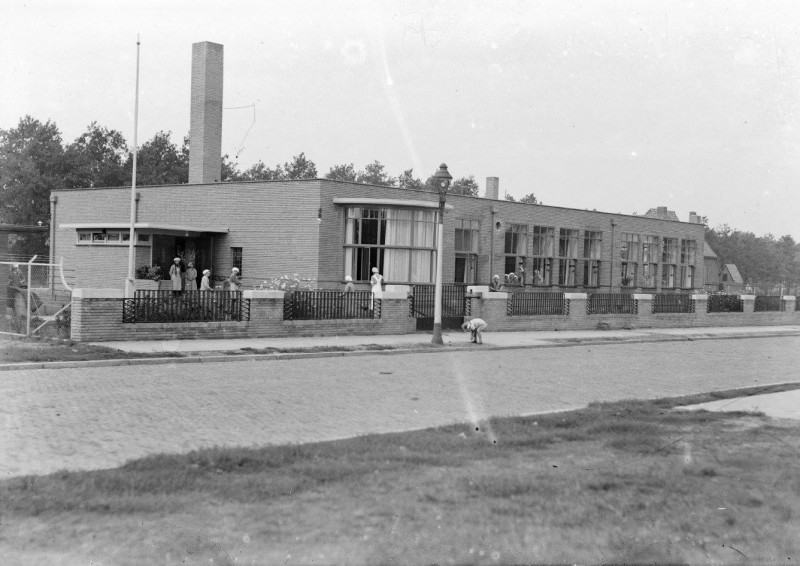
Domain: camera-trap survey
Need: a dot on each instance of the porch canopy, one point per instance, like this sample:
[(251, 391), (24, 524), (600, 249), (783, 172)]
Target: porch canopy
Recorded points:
[(149, 227)]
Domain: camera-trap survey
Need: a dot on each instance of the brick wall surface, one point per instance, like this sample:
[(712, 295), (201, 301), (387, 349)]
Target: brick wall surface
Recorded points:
[(100, 319), (205, 133), (276, 224)]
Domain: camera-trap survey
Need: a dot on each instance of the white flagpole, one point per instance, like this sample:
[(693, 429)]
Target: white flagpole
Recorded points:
[(129, 288)]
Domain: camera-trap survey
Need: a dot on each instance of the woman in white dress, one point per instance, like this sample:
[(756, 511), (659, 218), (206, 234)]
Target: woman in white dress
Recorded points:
[(377, 291)]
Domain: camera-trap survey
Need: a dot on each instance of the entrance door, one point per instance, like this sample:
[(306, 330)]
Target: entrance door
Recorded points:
[(466, 271)]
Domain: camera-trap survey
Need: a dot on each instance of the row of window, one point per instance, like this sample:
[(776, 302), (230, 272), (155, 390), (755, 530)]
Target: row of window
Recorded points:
[(110, 237)]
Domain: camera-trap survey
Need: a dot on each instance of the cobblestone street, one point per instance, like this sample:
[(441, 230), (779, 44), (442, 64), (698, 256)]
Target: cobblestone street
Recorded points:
[(100, 417)]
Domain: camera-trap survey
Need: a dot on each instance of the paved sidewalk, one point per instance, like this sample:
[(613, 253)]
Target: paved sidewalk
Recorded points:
[(453, 338)]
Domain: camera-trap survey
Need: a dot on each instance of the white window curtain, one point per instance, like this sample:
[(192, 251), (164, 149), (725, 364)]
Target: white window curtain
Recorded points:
[(398, 233), (421, 270)]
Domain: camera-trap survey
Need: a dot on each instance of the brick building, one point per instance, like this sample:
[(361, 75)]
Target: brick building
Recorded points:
[(323, 230)]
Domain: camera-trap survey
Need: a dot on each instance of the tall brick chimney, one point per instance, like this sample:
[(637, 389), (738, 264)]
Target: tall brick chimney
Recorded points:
[(492, 188), (205, 131)]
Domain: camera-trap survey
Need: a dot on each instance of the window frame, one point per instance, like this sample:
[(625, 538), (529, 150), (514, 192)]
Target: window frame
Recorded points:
[(542, 262), (360, 256), (567, 261)]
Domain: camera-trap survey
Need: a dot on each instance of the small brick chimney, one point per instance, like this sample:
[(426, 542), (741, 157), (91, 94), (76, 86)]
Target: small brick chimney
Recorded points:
[(205, 131), (492, 188)]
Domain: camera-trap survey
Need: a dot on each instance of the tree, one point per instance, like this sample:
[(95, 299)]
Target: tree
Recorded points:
[(374, 174), (345, 172), (300, 168), (510, 198), (97, 159), (406, 180), (159, 162), (530, 198), (466, 186), (32, 164), (259, 172)]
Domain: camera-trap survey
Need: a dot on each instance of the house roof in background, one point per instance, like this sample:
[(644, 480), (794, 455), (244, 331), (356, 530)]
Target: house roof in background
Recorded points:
[(734, 271), (707, 251), (662, 213)]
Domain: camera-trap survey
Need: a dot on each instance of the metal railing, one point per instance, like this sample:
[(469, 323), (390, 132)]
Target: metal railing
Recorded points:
[(611, 303), (725, 303), (536, 304), (455, 302), (764, 303), (673, 303), (330, 305), (188, 306)]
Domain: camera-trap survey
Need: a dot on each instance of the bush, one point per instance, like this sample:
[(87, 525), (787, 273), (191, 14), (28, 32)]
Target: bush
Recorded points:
[(152, 272)]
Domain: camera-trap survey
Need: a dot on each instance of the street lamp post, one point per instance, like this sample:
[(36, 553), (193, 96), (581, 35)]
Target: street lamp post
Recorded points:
[(443, 179)]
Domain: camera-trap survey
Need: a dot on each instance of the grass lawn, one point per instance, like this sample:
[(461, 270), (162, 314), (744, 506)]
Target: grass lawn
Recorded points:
[(632, 482), (23, 350)]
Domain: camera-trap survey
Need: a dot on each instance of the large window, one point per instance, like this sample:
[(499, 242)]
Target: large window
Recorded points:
[(543, 252), (237, 260), (592, 248), (688, 252), (466, 246), (110, 238), (669, 261), (401, 243), (630, 259), (516, 247), (567, 256), (467, 236), (649, 261)]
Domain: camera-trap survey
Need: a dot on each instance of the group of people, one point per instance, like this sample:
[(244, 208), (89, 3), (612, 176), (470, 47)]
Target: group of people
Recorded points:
[(186, 279)]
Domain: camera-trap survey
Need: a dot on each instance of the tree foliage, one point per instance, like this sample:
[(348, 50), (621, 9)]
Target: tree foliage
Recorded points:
[(160, 162), (761, 260), (466, 186), (345, 172), (97, 158), (530, 198), (407, 180)]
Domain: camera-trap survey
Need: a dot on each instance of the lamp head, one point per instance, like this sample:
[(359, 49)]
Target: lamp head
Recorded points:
[(443, 178)]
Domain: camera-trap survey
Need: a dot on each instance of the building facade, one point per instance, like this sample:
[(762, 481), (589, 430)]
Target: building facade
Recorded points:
[(321, 230)]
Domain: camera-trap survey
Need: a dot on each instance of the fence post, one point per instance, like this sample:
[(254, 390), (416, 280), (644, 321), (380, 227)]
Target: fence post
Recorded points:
[(748, 303), (576, 306), (788, 303), (644, 307), (700, 306)]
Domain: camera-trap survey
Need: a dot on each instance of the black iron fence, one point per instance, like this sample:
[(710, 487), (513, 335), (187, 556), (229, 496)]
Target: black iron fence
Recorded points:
[(455, 302), (764, 303), (611, 303), (188, 306), (536, 304), (328, 305), (725, 303), (673, 303)]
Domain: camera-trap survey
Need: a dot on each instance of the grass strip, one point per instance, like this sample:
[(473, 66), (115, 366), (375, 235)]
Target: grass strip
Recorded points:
[(615, 482)]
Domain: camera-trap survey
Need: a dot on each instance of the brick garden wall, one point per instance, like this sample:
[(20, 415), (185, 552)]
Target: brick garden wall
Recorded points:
[(97, 316)]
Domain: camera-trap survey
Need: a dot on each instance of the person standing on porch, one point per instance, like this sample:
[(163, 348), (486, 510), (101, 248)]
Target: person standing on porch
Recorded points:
[(233, 280), (191, 277), (205, 283), (377, 291), (176, 276)]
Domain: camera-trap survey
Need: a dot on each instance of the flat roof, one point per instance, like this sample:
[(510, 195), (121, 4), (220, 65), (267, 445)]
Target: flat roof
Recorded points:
[(390, 202), (143, 226)]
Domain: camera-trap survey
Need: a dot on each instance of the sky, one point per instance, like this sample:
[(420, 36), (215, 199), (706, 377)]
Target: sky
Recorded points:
[(618, 106)]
